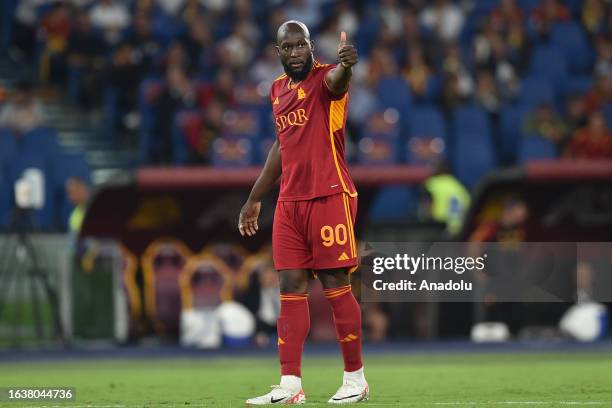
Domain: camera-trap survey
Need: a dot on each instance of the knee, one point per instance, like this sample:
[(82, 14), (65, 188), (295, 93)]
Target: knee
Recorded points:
[(293, 281), (334, 278)]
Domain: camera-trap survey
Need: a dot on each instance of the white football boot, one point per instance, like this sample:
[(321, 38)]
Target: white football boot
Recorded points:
[(354, 389), (279, 395)]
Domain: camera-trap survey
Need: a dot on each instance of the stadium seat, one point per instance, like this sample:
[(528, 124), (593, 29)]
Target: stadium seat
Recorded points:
[(509, 133), (63, 167), (241, 122), (43, 218), (263, 149), (536, 90), (607, 111), (577, 85), (162, 263), (232, 152), (426, 122), (41, 141), (572, 40), (393, 203), (379, 144), (472, 158), (8, 143), (550, 62), (471, 120), (393, 92), (536, 148)]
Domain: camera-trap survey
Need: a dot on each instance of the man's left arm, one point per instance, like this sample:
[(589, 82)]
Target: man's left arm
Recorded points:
[(338, 78)]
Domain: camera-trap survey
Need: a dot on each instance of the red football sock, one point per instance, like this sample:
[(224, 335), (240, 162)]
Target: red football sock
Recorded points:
[(347, 317), (292, 328)]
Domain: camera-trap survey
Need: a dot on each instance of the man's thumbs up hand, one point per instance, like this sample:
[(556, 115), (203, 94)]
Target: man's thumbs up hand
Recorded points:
[(347, 54)]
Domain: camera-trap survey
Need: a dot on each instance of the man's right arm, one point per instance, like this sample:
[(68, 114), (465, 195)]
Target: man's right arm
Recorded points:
[(247, 222)]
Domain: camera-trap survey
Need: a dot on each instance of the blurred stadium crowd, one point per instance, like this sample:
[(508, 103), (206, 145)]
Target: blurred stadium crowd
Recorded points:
[(476, 84)]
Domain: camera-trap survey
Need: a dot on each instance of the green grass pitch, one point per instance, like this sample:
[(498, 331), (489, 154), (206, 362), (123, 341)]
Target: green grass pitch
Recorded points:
[(462, 380)]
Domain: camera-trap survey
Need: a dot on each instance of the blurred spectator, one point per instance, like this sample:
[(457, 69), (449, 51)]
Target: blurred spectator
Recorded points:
[(178, 94), (111, 17), (24, 26), (171, 7), (22, 112), (222, 90), (487, 94), (200, 142), (591, 142), (237, 50), (262, 299), (77, 191), (603, 61), (545, 122), (175, 55), (198, 44), (600, 95), (143, 41), (445, 199), (546, 15), (576, 113), (444, 18), (391, 17), (417, 72), (593, 16), (54, 30), (85, 59), (375, 322), (123, 76), (326, 43), (303, 10), (507, 13), (348, 20), (267, 67)]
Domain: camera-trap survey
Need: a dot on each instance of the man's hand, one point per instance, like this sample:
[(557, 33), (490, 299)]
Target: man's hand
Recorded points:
[(247, 222), (347, 54)]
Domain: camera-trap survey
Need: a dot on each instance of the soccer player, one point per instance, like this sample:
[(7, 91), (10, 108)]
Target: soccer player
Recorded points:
[(312, 233)]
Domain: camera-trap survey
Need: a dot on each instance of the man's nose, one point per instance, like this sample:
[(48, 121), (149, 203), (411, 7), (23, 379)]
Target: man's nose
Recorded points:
[(293, 51)]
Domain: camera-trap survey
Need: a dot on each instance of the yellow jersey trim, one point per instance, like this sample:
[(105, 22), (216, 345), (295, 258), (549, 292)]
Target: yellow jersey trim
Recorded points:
[(336, 121)]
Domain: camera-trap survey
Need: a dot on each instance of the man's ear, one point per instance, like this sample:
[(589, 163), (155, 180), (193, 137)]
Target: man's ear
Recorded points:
[(312, 46), (277, 50)]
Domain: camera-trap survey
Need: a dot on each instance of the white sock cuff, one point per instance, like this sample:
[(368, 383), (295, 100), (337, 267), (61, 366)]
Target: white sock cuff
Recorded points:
[(291, 382)]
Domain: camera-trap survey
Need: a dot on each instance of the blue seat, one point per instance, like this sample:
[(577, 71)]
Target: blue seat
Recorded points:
[(510, 124), (577, 85), (471, 120), (607, 111), (536, 148), (380, 141), (393, 92), (230, 152), (264, 146), (43, 218), (41, 141), (550, 62), (536, 90), (472, 158), (8, 143), (65, 166), (572, 40), (428, 122), (393, 203)]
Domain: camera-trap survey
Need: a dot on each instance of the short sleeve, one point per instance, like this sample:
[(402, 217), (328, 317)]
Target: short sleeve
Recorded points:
[(326, 90)]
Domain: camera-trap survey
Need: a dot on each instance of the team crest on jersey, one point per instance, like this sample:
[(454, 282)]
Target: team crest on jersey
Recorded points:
[(301, 93)]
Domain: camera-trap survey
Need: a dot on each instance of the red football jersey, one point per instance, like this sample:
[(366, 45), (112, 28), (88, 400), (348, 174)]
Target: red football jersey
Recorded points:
[(310, 127)]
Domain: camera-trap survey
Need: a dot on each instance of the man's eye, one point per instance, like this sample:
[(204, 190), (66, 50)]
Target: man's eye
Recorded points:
[(301, 45)]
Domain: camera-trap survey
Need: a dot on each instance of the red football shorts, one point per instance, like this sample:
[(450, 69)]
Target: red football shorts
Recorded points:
[(315, 234)]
